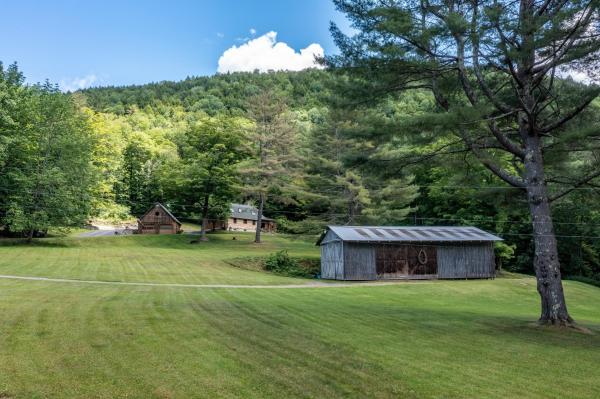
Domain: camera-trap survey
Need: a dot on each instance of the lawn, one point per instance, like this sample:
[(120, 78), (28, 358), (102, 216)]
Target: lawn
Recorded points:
[(450, 339), (162, 259)]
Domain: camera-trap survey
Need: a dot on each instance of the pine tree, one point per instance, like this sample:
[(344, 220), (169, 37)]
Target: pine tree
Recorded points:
[(494, 70), (271, 169)]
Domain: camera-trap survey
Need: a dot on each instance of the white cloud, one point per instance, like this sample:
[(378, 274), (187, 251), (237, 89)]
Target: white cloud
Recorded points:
[(252, 31), (265, 53), (220, 35), (579, 76), (75, 84)]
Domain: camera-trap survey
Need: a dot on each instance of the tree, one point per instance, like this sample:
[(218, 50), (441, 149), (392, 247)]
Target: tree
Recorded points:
[(207, 173), (494, 69), (47, 174), (343, 193), (271, 168)]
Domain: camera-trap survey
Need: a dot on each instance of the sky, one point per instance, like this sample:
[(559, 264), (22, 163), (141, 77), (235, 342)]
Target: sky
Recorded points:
[(87, 43)]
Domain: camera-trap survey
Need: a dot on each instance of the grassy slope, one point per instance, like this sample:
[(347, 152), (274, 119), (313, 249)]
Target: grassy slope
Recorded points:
[(434, 339), (162, 259)]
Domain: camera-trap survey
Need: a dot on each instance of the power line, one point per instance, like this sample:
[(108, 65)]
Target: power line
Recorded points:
[(197, 207)]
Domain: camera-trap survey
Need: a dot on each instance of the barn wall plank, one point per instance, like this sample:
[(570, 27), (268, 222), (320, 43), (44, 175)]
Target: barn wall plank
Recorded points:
[(332, 260), (359, 262), (466, 261)]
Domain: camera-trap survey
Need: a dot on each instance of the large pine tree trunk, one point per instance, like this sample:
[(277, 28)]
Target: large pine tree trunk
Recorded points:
[(261, 205), (546, 263)]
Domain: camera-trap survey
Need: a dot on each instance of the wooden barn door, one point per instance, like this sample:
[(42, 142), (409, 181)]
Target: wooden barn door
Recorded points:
[(406, 261)]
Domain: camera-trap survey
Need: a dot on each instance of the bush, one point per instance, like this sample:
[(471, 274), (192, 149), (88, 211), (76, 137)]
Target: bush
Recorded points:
[(282, 263)]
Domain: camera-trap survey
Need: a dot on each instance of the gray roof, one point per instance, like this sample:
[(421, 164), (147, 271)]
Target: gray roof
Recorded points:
[(248, 212), (410, 234)]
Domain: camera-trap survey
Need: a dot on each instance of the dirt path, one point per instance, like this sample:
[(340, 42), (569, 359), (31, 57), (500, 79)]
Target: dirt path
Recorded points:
[(282, 286)]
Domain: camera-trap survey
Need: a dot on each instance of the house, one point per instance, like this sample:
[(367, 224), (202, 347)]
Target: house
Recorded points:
[(386, 253), (245, 217), (158, 220)]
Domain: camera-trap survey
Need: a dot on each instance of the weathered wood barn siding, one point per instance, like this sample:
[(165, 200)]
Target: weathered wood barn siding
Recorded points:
[(332, 255), (359, 262), (448, 258), (401, 261), (466, 261)]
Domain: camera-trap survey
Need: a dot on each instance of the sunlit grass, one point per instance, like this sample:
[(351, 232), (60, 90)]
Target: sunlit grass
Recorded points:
[(444, 339)]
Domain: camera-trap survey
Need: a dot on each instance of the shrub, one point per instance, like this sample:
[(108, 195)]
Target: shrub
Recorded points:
[(282, 263)]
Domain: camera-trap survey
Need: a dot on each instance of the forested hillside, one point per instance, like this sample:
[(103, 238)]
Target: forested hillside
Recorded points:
[(196, 146), (347, 172)]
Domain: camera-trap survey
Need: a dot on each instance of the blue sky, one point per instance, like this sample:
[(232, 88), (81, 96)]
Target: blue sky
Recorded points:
[(81, 43)]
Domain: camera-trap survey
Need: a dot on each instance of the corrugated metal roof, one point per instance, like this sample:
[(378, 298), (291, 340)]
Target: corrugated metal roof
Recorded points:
[(411, 234)]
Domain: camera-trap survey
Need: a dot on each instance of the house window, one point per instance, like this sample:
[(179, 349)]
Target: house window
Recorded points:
[(245, 221), (262, 225), (234, 220), (254, 223)]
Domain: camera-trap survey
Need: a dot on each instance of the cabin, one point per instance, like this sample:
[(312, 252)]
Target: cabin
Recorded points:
[(158, 220), (388, 253), (245, 217)]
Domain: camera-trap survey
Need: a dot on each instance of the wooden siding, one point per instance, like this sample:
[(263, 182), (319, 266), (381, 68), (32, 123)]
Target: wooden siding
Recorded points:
[(332, 266), (371, 261), (406, 261), (466, 261), (158, 221), (329, 237), (359, 262)]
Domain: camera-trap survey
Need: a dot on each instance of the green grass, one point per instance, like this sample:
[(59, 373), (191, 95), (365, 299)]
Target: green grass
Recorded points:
[(150, 258), (450, 339)]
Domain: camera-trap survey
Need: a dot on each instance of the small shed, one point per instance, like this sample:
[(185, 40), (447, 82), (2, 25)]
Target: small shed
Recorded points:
[(386, 253), (158, 220)]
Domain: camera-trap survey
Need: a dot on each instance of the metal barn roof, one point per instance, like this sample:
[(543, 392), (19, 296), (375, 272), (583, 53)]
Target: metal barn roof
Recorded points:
[(410, 234)]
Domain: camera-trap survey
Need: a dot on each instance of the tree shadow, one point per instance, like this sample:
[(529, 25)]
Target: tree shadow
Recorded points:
[(38, 242)]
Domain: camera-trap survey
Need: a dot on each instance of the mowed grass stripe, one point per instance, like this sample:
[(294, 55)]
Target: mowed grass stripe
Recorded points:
[(450, 339), (224, 341), (159, 259)]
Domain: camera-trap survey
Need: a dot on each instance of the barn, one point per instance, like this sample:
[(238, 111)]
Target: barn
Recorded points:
[(386, 253), (158, 220)]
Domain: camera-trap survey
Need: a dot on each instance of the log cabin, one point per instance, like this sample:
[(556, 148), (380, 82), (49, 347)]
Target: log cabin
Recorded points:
[(158, 220)]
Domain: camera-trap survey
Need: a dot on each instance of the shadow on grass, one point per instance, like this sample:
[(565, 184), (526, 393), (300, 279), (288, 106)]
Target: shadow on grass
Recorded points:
[(456, 322), (38, 242)]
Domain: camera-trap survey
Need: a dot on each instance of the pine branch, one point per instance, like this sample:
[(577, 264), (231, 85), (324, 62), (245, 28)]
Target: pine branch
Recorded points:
[(572, 114), (575, 186)]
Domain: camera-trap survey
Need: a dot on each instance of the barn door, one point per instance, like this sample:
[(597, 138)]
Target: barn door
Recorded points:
[(406, 261)]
